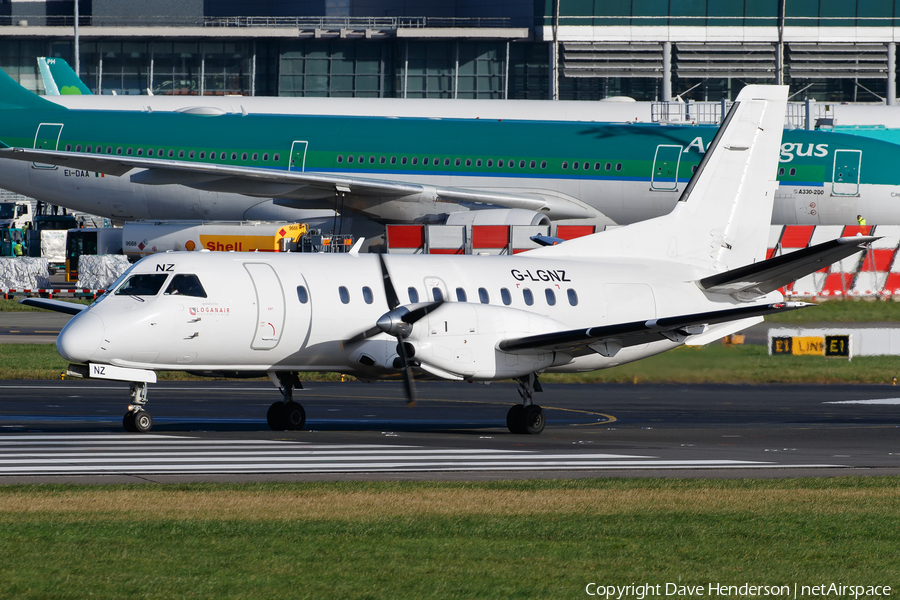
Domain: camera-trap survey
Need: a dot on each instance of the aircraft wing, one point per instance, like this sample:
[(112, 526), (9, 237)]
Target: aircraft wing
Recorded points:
[(263, 182), (609, 339), (763, 277), (69, 308)]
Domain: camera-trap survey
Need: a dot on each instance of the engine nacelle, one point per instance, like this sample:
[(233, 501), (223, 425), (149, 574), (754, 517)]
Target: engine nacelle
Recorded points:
[(459, 341), (498, 216)]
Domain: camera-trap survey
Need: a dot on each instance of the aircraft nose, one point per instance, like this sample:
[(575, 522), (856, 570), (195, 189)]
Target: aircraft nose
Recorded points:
[(80, 338)]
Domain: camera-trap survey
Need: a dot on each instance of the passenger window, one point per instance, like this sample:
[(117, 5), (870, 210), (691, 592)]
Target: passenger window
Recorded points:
[(367, 294), (302, 294), (521, 164), (575, 166), (781, 171), (529, 297), (415, 160), (222, 156), (413, 295), (275, 158), (68, 147), (381, 160), (483, 296), (202, 154), (88, 149), (608, 166), (181, 154), (490, 162), (573, 297), (468, 162), (349, 158), (244, 156), (437, 294), (234, 156), (266, 157), (142, 285), (372, 160), (565, 164), (460, 295), (478, 163), (551, 297), (393, 160), (129, 151), (344, 294), (505, 296), (457, 162), (543, 164), (533, 164), (78, 148), (109, 149), (255, 156), (403, 161), (618, 166), (191, 154), (185, 285), (500, 163), (360, 159), (425, 161), (171, 153), (793, 172)]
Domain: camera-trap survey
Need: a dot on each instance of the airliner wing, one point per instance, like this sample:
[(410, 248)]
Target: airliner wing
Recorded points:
[(609, 339), (262, 182)]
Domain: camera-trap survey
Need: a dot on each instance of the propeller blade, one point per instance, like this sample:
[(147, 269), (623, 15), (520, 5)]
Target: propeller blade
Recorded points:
[(417, 313), (389, 292), (362, 336), (408, 381)]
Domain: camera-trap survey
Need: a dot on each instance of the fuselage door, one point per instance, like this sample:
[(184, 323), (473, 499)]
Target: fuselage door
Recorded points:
[(665, 168), (847, 164), (269, 306), (298, 156), (47, 138)]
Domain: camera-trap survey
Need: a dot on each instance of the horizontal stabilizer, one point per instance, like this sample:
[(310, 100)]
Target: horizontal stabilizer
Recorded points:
[(70, 308), (606, 339), (758, 279)]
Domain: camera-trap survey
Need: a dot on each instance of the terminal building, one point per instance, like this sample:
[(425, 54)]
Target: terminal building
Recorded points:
[(649, 50)]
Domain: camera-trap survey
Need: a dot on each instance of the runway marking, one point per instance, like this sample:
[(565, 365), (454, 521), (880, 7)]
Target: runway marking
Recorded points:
[(35, 454), (876, 401)]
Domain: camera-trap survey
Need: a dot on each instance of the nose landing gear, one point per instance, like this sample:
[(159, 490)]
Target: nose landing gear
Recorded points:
[(137, 419)]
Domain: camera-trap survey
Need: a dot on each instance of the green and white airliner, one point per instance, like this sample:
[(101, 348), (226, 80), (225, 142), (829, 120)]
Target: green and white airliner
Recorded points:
[(204, 163)]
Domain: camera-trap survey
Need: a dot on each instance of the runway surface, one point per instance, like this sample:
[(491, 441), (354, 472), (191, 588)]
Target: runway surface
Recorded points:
[(216, 431)]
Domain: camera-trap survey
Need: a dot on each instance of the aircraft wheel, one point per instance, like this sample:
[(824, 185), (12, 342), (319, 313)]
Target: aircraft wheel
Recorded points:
[(533, 420), (143, 422), (275, 417), (294, 416), (128, 422), (514, 419)]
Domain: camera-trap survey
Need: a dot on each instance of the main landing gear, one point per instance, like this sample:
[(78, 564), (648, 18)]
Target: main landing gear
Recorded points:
[(137, 419), (286, 415), (526, 417)]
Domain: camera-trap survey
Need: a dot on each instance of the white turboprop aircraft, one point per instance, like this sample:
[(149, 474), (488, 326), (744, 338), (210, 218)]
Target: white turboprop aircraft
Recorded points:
[(691, 277)]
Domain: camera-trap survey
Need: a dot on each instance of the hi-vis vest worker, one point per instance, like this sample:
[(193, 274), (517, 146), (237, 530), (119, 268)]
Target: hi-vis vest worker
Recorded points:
[(860, 220)]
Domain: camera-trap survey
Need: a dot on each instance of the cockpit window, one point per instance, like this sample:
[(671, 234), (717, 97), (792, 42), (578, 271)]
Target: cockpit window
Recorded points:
[(145, 284), (185, 285)]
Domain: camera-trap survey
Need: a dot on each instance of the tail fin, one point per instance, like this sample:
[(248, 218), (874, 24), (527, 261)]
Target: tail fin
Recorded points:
[(722, 219), (60, 79), (13, 95)]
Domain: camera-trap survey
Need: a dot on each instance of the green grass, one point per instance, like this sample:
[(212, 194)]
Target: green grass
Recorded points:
[(707, 364), (842, 311), (529, 539)]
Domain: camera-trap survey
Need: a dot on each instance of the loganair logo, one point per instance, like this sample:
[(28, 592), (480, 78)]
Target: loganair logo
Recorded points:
[(206, 310), (789, 150)]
